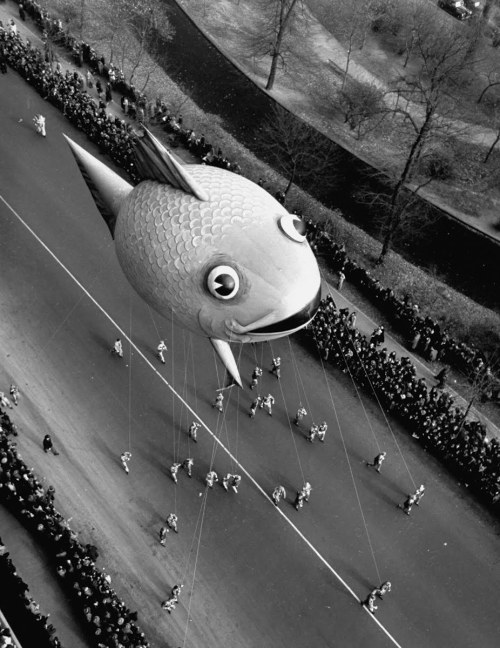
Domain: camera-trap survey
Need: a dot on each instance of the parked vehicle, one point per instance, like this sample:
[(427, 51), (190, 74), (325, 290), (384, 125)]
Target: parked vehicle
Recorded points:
[(455, 8), (474, 6)]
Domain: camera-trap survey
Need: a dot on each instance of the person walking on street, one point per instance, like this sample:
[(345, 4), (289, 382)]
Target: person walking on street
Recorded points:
[(218, 402), (322, 431), (14, 392), (341, 279), (370, 600), (226, 480), (313, 432), (441, 377), (193, 431), (171, 522), (301, 412), (419, 493), (378, 461), (306, 490), (161, 348), (408, 504), (4, 401), (163, 535), (256, 374), (267, 404), (39, 121), (378, 336), (253, 407), (211, 478), (174, 469), (48, 445), (276, 367), (278, 493), (384, 589), (117, 348), (108, 93), (299, 500), (187, 464), (170, 604), (235, 482), (125, 457)]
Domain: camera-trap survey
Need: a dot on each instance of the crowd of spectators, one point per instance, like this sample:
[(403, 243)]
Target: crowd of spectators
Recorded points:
[(422, 334), (114, 136), (22, 611), (429, 414), (67, 92), (109, 621)]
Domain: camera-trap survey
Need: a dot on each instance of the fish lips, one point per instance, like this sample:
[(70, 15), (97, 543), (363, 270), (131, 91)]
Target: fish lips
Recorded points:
[(291, 324)]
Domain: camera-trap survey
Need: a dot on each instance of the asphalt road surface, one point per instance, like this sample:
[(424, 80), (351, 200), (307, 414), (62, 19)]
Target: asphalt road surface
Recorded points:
[(253, 575)]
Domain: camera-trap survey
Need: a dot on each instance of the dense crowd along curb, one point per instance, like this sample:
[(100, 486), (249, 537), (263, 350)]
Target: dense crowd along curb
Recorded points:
[(22, 610), (108, 619)]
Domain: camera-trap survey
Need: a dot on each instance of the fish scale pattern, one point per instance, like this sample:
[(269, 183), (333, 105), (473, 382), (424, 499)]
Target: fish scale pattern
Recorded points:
[(165, 238)]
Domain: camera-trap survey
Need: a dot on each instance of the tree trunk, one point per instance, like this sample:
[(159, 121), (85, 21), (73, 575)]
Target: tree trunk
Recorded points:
[(290, 182), (490, 85), (274, 66), (82, 18), (466, 413), (283, 20), (396, 213), (348, 61), (492, 147)]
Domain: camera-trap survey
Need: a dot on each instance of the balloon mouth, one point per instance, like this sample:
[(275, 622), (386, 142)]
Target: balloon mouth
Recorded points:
[(294, 322)]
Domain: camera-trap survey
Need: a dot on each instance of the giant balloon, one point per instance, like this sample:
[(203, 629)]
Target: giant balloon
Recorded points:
[(207, 245)]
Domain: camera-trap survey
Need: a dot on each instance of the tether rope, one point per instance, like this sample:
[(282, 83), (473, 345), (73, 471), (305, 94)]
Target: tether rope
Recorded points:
[(130, 375), (290, 426), (344, 445), (372, 387)]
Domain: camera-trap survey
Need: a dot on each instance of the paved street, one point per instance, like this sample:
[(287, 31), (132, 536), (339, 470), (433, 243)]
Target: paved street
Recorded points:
[(253, 576)]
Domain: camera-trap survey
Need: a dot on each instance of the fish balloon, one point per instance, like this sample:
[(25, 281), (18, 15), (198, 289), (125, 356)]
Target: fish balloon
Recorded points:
[(207, 245)]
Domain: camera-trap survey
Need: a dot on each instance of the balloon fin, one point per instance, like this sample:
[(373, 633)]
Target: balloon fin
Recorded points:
[(226, 355), (155, 162), (108, 189)]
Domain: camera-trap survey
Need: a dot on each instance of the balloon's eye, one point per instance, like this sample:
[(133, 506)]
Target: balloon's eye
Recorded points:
[(223, 282), (293, 227)]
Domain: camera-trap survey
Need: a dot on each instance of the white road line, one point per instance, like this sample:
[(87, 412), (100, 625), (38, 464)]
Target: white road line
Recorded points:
[(148, 362)]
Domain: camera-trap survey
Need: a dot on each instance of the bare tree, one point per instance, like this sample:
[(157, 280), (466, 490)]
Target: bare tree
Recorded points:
[(272, 33), (430, 101), (73, 14), (492, 80), (297, 151), (480, 385), (134, 31), (357, 16), (496, 121), (362, 105)]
